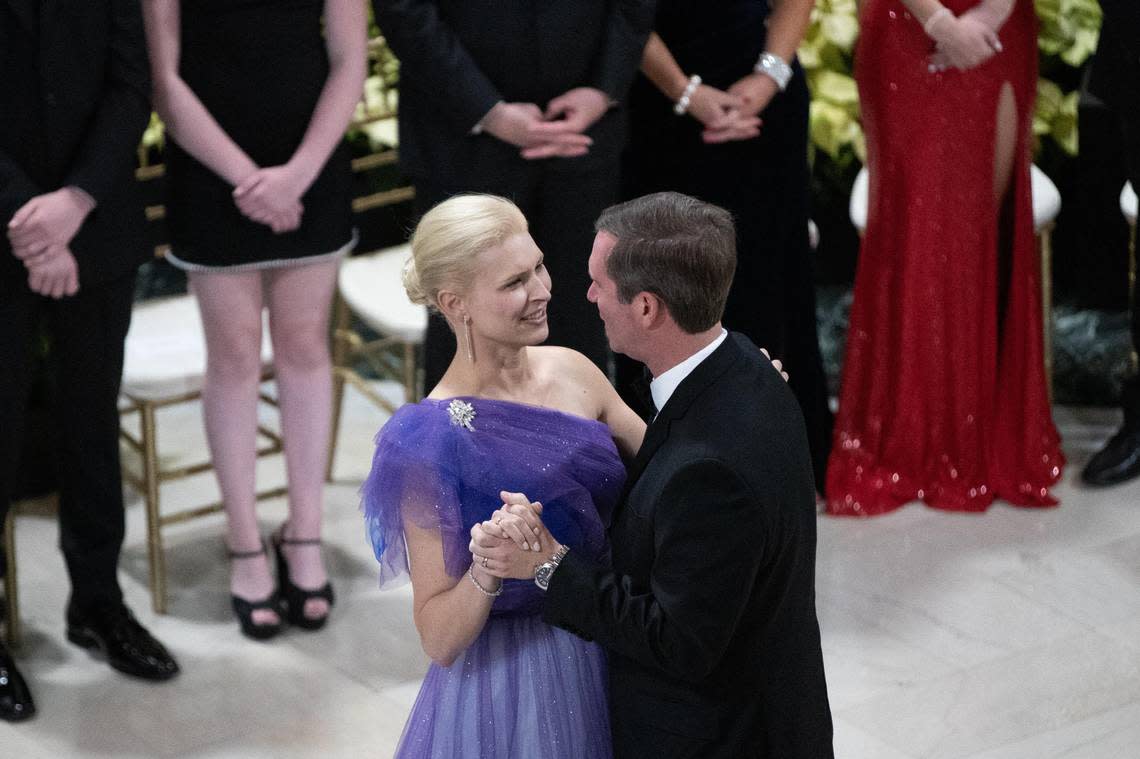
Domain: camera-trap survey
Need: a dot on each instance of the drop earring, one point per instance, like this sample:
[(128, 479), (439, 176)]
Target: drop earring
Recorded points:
[(467, 332)]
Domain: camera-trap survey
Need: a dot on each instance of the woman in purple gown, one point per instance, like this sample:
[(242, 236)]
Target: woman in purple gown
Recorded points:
[(508, 415)]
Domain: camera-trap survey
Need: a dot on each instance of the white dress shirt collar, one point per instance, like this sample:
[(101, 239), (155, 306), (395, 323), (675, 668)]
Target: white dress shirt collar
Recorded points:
[(663, 387)]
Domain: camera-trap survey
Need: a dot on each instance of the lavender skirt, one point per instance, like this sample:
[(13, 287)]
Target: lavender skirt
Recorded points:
[(522, 690)]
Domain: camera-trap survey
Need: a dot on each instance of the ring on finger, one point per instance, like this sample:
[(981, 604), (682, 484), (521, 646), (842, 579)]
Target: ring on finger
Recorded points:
[(484, 562)]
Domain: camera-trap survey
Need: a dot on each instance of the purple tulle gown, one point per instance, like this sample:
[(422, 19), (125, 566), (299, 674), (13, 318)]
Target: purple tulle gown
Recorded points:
[(523, 688)]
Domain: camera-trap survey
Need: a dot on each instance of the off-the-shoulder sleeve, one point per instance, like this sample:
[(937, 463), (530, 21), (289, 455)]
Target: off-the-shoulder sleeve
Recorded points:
[(413, 479)]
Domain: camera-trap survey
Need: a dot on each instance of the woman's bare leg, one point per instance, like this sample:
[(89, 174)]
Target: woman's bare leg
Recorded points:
[(299, 299), (1005, 158), (231, 319)]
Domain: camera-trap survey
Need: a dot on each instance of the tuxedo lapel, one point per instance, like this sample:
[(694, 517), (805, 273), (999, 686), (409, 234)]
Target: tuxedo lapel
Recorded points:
[(655, 435), (706, 373)]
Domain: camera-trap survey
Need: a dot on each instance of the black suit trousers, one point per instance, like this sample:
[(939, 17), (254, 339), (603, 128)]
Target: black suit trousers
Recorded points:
[(85, 336), (561, 205)]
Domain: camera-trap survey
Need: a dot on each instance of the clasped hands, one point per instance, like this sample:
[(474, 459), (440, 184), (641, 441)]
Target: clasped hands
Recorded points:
[(557, 132), (732, 114), (272, 196), (514, 541), (41, 232), (968, 40)]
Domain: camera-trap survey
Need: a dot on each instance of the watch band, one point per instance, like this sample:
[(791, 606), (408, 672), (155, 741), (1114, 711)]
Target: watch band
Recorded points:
[(543, 572)]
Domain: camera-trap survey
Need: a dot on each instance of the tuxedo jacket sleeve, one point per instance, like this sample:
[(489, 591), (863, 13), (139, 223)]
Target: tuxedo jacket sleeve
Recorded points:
[(432, 54), (106, 155), (708, 547), (16, 188), (631, 21)]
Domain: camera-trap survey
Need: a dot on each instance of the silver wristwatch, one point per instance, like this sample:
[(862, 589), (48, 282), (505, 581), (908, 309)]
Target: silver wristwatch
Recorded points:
[(543, 572), (775, 67)]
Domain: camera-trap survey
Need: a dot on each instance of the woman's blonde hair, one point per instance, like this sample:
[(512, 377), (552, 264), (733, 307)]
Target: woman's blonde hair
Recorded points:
[(448, 239)]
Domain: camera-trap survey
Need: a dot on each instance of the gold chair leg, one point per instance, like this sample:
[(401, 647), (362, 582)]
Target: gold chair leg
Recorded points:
[(340, 358), (11, 584), (410, 395), (155, 554), (1132, 288), (334, 421), (1047, 305)]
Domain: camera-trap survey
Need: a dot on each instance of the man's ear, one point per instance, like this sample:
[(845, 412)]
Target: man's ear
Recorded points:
[(650, 309)]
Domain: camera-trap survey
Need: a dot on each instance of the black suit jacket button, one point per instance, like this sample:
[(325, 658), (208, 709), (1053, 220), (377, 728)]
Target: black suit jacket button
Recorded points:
[(50, 99)]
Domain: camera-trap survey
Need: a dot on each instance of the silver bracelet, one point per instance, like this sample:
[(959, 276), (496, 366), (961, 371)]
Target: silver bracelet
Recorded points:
[(483, 590), (682, 104), (774, 67)]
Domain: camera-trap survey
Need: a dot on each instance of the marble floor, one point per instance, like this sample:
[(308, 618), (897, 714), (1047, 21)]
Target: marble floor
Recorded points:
[(1013, 634)]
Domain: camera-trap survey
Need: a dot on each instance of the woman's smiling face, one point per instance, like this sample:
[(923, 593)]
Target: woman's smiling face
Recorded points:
[(507, 298)]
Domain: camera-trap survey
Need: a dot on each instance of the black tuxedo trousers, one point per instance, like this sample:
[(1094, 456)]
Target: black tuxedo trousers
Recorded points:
[(84, 366)]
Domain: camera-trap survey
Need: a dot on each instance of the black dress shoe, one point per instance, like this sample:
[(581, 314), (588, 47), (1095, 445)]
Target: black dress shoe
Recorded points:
[(15, 699), (128, 646), (1118, 461)]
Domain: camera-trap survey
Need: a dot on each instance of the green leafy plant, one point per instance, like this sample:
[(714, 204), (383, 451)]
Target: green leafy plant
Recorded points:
[(827, 55), (1067, 38), (1069, 29), (375, 125)]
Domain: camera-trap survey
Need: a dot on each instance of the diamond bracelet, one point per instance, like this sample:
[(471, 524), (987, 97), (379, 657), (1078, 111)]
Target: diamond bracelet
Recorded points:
[(775, 67)]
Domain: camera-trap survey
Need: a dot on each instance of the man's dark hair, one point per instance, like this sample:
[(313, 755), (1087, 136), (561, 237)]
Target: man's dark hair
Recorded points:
[(676, 247)]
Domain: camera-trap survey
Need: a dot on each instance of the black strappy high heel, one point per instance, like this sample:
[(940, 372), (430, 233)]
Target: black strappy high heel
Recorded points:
[(244, 609), (293, 596)]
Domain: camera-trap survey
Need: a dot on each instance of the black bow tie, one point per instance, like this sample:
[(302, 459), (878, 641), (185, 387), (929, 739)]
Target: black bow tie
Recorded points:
[(644, 405)]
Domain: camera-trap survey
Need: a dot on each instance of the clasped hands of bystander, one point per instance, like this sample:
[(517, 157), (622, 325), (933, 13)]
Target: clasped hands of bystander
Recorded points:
[(966, 41), (732, 114), (272, 196), (41, 232), (727, 115), (557, 132)]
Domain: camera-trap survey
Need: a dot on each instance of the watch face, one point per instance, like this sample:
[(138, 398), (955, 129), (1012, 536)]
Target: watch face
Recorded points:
[(542, 575)]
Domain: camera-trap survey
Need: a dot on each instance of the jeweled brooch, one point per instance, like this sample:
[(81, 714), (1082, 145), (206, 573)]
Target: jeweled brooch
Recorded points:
[(462, 413)]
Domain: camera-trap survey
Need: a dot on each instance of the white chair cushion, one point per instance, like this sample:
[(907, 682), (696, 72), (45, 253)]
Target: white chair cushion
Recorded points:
[(1128, 202), (166, 350), (383, 132), (1046, 199), (857, 208), (372, 286), (813, 234)]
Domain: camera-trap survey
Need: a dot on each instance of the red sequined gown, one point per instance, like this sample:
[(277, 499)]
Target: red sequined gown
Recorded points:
[(943, 400)]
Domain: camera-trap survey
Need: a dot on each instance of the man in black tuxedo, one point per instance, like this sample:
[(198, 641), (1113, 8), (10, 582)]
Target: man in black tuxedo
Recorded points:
[(522, 99), (1116, 80), (708, 605), (74, 101)]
